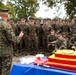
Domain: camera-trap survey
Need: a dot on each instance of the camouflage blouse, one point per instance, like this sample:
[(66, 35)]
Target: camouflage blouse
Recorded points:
[(7, 37)]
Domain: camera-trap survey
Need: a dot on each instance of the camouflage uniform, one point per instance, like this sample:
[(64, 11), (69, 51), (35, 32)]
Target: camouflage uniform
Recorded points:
[(33, 39), (73, 29), (50, 39), (7, 36), (40, 37), (24, 40), (56, 28), (21, 28), (17, 32), (60, 44), (46, 30), (65, 29), (72, 41), (14, 44), (17, 29), (65, 36), (25, 37)]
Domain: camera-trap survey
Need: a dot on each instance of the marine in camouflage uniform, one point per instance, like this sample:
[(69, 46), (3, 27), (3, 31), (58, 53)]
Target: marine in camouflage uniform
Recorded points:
[(73, 27), (17, 32), (51, 40), (61, 43), (65, 36), (40, 37), (25, 38), (46, 30), (55, 26), (33, 39), (7, 36), (24, 41), (65, 28)]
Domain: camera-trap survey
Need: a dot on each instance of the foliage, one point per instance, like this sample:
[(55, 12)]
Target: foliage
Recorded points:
[(11, 10), (25, 8), (1, 5), (20, 8), (70, 6)]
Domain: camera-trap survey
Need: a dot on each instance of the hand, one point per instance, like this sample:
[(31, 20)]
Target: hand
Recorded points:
[(53, 42), (21, 34), (73, 47), (48, 45)]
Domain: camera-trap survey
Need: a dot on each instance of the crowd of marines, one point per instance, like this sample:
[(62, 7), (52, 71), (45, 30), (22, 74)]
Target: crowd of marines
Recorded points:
[(44, 35), (33, 36)]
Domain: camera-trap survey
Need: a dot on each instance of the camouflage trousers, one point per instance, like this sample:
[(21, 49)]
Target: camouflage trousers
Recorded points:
[(5, 65)]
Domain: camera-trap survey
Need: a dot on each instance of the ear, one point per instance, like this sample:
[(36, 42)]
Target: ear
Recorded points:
[(0, 17)]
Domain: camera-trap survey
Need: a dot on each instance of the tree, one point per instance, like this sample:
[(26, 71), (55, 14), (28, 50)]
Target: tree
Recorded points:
[(1, 5), (20, 8), (25, 8), (70, 6), (11, 10)]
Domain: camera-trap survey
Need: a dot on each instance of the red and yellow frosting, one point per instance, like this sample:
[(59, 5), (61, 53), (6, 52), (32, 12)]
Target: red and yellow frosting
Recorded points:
[(65, 59)]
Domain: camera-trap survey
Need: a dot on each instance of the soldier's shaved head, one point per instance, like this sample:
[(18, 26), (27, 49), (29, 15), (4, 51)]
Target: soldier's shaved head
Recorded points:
[(4, 14)]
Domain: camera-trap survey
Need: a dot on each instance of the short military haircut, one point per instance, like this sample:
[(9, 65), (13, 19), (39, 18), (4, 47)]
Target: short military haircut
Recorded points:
[(4, 12)]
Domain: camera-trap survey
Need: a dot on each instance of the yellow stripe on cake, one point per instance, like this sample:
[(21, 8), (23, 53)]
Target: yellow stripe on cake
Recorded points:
[(63, 66)]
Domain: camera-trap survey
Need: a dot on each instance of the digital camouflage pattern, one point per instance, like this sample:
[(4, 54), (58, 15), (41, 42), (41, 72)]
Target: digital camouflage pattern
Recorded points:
[(33, 39), (50, 39), (7, 37), (46, 30), (5, 64), (24, 40), (60, 44)]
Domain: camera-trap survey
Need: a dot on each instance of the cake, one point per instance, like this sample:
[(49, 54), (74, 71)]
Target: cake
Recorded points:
[(65, 59)]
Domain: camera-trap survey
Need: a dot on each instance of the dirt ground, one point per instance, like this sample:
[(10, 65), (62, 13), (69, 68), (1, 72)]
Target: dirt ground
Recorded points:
[(15, 60)]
